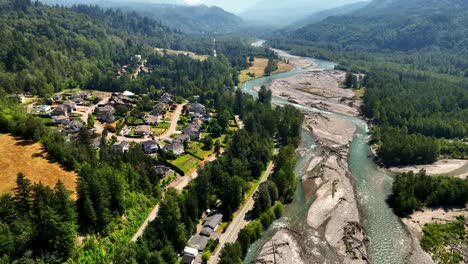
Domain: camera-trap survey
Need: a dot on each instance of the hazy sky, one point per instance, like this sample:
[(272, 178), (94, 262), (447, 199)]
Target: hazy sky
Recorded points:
[(235, 6)]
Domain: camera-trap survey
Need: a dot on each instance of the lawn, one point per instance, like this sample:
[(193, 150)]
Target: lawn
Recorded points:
[(30, 159), (360, 93), (183, 52), (185, 163), (164, 125), (158, 131), (258, 68)]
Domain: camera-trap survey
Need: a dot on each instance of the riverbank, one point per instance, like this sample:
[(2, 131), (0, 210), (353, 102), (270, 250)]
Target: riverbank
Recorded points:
[(334, 214)]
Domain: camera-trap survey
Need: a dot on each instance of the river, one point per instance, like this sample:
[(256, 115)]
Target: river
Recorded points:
[(389, 241)]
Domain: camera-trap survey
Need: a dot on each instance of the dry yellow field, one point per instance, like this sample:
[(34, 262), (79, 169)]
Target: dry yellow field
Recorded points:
[(258, 68), (30, 159)]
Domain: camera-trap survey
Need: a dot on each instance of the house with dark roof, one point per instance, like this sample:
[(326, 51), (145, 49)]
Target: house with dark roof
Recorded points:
[(182, 139), (71, 106), (189, 255), (106, 117), (193, 131), (166, 98), (161, 171), (158, 109), (60, 110), (60, 120), (211, 223), (123, 146), (150, 147), (197, 108), (198, 242)]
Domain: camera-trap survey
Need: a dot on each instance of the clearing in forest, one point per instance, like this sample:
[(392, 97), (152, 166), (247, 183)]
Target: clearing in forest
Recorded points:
[(31, 159), (257, 70)]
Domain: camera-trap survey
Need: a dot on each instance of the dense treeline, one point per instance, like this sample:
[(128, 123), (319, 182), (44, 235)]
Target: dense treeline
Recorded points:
[(47, 49), (37, 223), (414, 191)]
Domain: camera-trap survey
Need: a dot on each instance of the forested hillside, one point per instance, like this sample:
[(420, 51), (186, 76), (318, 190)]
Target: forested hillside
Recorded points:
[(47, 49), (414, 53), (197, 19)]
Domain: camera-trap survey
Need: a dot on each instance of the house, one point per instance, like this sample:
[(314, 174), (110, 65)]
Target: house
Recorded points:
[(197, 108), (143, 130), (106, 117), (161, 171), (211, 223), (71, 106), (194, 131), (81, 95), (61, 110), (151, 120), (123, 146), (198, 242), (166, 99), (43, 109), (189, 255), (78, 101), (106, 108), (61, 120), (158, 109), (74, 126), (175, 147), (150, 147), (182, 139)]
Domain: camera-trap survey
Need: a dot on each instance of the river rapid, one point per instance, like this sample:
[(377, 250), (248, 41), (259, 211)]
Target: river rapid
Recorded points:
[(389, 241)]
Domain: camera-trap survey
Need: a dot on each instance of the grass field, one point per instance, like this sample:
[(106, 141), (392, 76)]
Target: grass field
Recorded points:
[(360, 93), (20, 156), (186, 162), (183, 52), (258, 68)]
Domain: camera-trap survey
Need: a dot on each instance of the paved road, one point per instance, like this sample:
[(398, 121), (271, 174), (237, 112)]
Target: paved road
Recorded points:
[(179, 185), (239, 221), (173, 128)]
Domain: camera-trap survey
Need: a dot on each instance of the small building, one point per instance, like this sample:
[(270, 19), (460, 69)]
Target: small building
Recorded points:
[(198, 242), (166, 98), (197, 108), (161, 171), (74, 126), (150, 147), (71, 106), (106, 108), (158, 109), (189, 255), (182, 139), (211, 223), (196, 116), (175, 147), (61, 120), (151, 120), (78, 101), (106, 117), (193, 131), (143, 130), (123, 146), (43, 109), (60, 110)]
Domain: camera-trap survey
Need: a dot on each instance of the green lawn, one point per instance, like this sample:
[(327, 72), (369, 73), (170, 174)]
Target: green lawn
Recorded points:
[(158, 131), (185, 163), (164, 125)]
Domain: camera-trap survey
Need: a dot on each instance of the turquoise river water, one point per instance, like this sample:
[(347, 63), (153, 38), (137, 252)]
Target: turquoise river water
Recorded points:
[(389, 241)]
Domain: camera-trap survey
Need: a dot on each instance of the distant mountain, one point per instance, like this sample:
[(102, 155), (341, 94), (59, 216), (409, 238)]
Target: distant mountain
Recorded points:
[(322, 15), (198, 19), (282, 13), (399, 25)]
